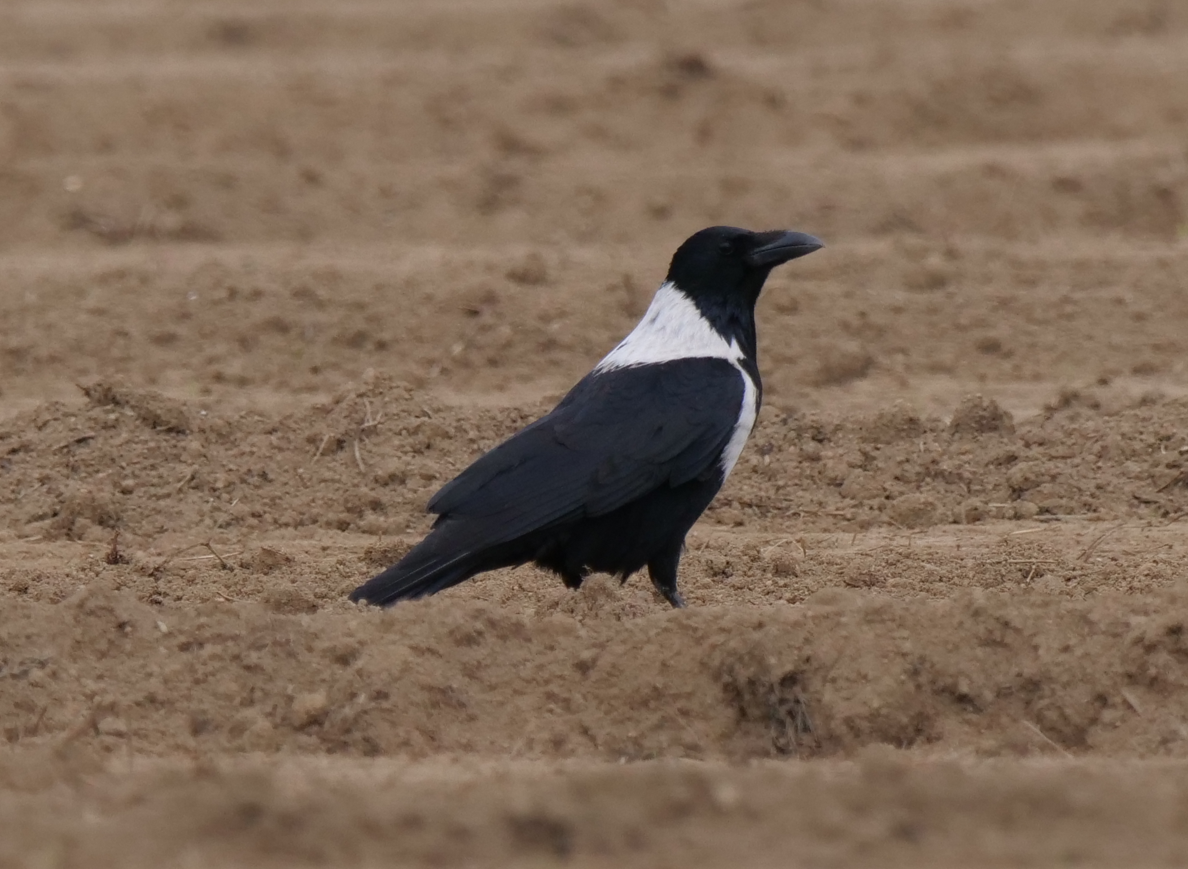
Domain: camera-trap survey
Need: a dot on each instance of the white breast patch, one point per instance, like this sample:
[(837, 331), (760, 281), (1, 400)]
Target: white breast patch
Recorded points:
[(673, 329)]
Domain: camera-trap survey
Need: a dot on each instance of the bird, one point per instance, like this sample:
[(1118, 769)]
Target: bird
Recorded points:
[(614, 477)]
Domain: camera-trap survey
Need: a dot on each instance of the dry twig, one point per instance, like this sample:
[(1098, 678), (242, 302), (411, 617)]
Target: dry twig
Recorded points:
[(1052, 742), (1097, 540), (224, 564)]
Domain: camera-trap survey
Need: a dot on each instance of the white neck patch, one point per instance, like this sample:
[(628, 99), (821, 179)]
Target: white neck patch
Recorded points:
[(671, 329)]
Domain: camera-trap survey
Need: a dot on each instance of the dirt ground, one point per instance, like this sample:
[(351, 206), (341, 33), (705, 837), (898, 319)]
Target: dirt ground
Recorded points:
[(271, 272)]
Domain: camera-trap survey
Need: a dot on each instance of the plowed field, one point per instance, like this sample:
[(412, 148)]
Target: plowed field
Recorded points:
[(272, 272)]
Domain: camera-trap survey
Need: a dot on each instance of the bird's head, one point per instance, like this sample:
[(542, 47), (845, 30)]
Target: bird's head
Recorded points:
[(726, 265)]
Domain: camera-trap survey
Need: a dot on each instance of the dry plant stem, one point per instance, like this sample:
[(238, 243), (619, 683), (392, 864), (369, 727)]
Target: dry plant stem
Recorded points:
[(1049, 740), (1084, 556), (222, 562)]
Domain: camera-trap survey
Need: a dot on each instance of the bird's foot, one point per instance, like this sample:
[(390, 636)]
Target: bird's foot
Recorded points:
[(670, 594)]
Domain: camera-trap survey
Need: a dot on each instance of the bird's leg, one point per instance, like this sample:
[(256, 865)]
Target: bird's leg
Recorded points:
[(663, 571)]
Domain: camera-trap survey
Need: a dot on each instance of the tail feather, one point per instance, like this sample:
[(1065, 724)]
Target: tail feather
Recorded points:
[(427, 569)]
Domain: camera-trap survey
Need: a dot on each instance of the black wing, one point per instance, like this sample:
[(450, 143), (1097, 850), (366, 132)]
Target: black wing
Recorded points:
[(615, 437)]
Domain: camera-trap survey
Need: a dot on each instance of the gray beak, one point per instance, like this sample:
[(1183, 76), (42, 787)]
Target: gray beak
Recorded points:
[(778, 247)]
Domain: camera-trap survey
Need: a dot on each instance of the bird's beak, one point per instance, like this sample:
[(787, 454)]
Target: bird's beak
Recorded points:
[(778, 247)]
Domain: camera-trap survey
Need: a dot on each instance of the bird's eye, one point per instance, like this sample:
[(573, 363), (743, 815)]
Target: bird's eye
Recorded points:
[(726, 248)]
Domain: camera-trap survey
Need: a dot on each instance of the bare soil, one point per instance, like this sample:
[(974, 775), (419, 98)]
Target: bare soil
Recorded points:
[(271, 273)]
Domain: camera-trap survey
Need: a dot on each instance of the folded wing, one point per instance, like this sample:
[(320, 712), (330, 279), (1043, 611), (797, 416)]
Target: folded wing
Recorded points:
[(617, 436)]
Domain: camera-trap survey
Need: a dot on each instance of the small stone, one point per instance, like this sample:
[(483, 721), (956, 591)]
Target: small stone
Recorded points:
[(112, 727), (309, 709), (725, 796), (861, 486), (783, 565), (1026, 510), (718, 566)]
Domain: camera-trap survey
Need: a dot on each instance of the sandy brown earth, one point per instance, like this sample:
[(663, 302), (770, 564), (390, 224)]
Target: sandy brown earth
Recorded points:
[(272, 272)]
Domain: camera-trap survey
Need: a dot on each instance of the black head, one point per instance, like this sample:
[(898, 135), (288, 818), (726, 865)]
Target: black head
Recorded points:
[(727, 265)]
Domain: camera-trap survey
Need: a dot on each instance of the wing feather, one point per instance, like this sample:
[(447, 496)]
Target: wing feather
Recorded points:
[(617, 436)]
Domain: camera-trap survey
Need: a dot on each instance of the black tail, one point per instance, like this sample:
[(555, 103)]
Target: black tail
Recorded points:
[(432, 566)]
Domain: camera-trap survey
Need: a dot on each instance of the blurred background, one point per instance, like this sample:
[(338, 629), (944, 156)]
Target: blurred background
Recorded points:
[(261, 200)]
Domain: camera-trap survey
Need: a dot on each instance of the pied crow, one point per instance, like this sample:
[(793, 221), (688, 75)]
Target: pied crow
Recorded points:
[(615, 476)]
